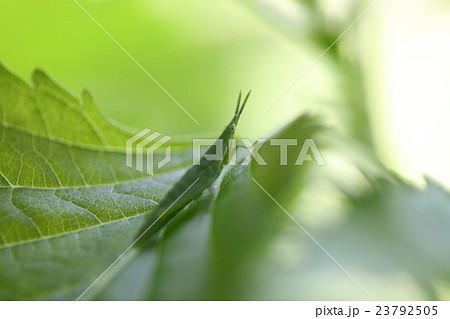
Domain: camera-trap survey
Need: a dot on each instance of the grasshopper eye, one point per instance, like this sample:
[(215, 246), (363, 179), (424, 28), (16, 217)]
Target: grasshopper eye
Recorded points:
[(232, 127)]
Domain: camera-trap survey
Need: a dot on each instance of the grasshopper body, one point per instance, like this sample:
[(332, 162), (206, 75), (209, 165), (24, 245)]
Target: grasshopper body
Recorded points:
[(194, 181)]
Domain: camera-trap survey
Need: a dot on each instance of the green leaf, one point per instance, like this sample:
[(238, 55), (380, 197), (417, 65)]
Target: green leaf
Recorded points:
[(68, 202)]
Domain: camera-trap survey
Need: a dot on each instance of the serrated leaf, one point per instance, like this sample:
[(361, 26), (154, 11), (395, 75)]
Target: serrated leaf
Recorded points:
[(64, 189)]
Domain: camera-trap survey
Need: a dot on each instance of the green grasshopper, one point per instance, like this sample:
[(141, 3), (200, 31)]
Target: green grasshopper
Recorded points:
[(194, 181)]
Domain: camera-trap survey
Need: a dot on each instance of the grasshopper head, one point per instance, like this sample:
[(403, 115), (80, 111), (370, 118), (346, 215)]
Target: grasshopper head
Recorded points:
[(228, 133)]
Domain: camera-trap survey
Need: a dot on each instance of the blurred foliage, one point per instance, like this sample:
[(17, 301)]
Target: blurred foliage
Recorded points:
[(233, 242)]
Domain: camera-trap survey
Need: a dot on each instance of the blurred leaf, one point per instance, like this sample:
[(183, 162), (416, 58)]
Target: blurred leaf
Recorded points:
[(405, 229), (394, 241), (284, 180)]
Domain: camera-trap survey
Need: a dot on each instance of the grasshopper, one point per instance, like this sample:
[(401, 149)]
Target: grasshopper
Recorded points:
[(194, 181)]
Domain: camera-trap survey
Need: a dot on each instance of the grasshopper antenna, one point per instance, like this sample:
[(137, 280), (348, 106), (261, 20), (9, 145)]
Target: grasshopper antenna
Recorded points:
[(245, 102), (238, 103)]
